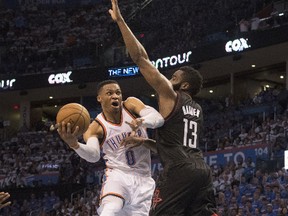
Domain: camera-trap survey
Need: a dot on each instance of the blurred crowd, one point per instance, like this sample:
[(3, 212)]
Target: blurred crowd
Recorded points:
[(39, 40)]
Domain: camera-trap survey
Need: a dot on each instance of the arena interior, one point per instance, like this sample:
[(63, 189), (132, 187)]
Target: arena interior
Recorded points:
[(54, 52)]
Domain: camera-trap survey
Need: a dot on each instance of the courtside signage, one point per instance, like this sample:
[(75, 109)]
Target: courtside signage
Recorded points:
[(237, 45)]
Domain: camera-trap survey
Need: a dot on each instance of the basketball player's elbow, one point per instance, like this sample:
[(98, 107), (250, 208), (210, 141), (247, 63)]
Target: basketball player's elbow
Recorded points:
[(151, 118), (139, 59), (136, 59), (92, 148), (95, 157), (159, 122)]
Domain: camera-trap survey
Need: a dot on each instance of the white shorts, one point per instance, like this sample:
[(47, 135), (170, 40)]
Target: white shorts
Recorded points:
[(135, 190)]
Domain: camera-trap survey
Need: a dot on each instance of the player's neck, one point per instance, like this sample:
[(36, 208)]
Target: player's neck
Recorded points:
[(113, 117)]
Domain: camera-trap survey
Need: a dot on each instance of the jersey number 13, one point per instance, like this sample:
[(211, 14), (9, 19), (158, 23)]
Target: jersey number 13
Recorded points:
[(190, 133)]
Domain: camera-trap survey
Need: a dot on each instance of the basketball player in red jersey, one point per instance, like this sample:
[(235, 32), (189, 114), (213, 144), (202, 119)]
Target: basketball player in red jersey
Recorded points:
[(185, 185)]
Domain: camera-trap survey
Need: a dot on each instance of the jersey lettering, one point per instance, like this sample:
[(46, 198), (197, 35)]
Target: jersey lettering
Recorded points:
[(190, 133)]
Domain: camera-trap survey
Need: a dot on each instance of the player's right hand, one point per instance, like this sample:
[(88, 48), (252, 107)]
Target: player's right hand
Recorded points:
[(65, 132)]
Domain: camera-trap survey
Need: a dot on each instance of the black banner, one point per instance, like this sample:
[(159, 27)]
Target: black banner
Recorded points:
[(51, 79)]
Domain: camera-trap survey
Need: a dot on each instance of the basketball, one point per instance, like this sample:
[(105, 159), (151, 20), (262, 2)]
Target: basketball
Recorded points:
[(76, 115)]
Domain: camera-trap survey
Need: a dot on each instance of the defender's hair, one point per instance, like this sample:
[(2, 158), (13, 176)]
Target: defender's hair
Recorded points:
[(194, 78)]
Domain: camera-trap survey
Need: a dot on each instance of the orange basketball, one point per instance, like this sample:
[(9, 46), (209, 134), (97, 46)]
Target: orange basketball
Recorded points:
[(76, 115)]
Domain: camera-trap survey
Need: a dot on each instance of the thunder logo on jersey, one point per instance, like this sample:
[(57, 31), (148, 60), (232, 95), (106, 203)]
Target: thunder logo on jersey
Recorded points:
[(114, 142)]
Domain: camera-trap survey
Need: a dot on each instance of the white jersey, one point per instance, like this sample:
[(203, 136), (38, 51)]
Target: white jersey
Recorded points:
[(137, 159)]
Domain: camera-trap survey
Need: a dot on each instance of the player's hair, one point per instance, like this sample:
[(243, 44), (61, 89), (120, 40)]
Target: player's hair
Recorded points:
[(194, 78), (105, 82)]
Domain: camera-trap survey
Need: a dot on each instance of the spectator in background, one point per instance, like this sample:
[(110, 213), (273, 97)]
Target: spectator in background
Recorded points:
[(282, 98), (254, 22), (3, 198), (249, 169), (244, 25), (283, 211), (248, 163), (54, 200), (275, 18), (269, 210)]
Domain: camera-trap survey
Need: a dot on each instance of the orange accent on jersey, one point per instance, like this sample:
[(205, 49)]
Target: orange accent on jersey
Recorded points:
[(104, 131), (129, 112), (112, 194), (112, 123)]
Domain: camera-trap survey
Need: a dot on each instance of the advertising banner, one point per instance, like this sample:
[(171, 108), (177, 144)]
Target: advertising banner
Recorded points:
[(224, 156)]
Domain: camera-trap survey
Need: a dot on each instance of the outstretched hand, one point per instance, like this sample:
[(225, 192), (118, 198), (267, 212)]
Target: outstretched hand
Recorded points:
[(66, 134), (3, 197), (132, 141), (115, 11), (135, 124)]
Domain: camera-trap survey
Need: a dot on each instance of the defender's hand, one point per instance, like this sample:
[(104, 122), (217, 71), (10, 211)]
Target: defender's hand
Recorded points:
[(132, 141), (115, 11)]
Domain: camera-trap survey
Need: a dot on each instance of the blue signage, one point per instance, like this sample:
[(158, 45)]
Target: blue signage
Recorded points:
[(123, 71), (224, 156)]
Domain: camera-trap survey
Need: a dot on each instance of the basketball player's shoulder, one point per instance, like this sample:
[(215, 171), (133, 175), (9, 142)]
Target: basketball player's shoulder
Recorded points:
[(95, 128), (131, 102)]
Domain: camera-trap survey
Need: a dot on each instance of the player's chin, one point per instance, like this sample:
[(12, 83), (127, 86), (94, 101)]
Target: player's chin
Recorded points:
[(115, 108)]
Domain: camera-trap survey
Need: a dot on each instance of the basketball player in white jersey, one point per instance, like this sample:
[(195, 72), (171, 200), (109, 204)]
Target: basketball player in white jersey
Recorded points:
[(128, 187)]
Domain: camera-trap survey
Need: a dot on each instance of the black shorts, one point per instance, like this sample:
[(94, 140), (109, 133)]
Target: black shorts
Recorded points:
[(184, 189)]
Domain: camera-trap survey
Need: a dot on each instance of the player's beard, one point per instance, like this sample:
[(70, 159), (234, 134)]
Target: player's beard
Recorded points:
[(176, 86)]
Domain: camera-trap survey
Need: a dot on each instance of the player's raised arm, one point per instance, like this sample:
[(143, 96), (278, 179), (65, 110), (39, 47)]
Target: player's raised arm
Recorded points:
[(139, 56)]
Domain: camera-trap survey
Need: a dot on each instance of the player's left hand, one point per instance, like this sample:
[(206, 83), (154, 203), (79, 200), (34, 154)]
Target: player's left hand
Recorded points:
[(135, 124), (115, 11), (133, 140)]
